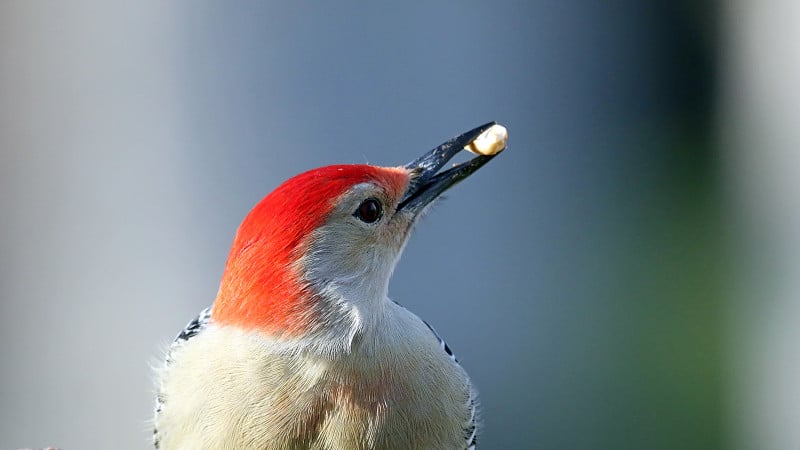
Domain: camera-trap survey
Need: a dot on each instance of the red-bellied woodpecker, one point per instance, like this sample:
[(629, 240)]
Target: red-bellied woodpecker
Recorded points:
[(302, 348)]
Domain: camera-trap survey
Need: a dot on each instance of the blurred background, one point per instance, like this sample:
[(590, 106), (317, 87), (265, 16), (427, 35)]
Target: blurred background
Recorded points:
[(634, 269)]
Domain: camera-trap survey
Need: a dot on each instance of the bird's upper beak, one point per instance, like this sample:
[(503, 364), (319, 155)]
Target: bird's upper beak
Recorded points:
[(427, 183)]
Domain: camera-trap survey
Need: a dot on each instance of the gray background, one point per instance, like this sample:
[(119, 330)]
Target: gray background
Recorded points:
[(582, 277)]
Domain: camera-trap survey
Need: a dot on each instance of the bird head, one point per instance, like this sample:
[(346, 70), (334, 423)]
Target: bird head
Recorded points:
[(318, 252)]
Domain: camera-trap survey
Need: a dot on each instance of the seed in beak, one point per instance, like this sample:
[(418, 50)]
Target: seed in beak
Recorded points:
[(490, 142)]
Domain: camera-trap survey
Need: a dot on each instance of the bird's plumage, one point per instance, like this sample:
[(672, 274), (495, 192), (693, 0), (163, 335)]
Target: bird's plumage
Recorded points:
[(336, 394), (302, 348)]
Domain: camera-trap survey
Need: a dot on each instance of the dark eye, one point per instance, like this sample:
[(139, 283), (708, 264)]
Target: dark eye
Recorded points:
[(369, 210)]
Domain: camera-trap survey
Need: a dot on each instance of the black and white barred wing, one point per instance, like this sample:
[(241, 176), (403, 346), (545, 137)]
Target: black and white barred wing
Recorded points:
[(189, 331)]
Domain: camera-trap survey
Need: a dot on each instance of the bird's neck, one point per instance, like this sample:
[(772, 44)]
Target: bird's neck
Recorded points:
[(349, 320), (341, 329), (327, 316)]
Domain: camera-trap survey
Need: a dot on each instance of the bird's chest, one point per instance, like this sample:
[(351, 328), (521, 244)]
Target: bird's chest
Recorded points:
[(395, 401), (370, 404), (226, 390)]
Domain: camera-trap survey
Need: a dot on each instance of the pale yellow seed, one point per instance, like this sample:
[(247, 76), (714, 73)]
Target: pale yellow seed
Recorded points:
[(490, 142)]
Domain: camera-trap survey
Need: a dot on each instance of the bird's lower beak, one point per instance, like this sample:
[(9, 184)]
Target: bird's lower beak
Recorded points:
[(427, 183)]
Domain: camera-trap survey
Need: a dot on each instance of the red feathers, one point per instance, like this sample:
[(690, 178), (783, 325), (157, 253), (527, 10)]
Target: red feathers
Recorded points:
[(260, 288)]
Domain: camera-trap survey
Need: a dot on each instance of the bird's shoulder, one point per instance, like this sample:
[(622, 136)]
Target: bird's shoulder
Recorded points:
[(470, 427), (192, 329)]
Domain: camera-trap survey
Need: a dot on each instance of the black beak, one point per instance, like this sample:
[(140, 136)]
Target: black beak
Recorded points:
[(426, 184)]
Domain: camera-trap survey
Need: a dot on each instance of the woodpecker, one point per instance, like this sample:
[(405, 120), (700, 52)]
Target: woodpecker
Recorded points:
[(302, 347)]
